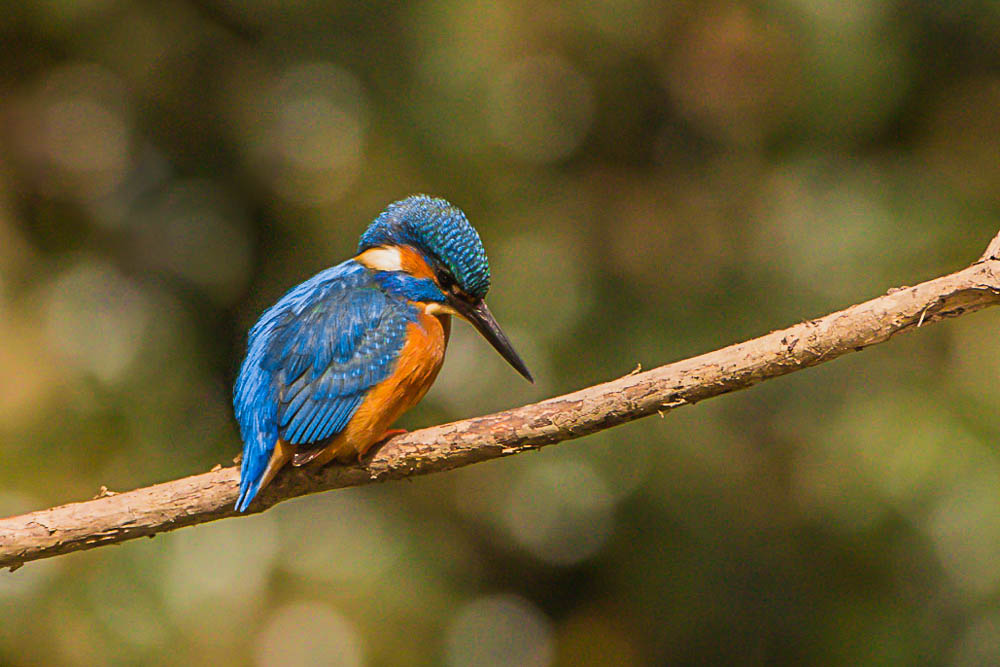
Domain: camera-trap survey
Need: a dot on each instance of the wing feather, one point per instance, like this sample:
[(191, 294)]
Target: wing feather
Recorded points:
[(329, 352), (311, 359)]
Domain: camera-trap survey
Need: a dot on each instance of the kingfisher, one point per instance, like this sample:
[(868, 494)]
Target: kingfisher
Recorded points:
[(340, 357)]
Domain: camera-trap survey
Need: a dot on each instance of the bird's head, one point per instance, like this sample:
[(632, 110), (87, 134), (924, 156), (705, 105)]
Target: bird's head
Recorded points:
[(439, 260)]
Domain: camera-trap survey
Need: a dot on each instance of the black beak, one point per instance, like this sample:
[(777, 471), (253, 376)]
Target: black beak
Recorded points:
[(480, 316)]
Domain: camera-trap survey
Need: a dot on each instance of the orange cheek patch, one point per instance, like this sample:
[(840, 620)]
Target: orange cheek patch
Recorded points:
[(413, 263)]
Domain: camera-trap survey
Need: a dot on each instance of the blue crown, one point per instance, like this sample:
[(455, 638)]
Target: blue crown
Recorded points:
[(440, 231)]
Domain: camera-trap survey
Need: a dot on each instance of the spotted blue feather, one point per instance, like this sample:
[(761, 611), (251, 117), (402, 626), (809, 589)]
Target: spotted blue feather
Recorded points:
[(440, 231)]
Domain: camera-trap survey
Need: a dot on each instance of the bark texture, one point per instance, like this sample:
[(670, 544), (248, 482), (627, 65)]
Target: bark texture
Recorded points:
[(114, 518)]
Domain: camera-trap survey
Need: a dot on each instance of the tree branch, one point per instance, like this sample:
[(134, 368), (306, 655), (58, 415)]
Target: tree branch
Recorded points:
[(184, 502)]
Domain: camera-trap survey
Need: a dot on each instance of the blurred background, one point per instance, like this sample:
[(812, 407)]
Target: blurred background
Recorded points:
[(652, 180)]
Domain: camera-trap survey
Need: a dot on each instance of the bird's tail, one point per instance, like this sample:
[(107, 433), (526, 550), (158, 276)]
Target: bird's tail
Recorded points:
[(251, 471), (258, 445), (281, 453)]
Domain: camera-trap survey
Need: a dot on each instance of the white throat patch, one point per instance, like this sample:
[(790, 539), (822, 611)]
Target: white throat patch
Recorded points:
[(433, 308)]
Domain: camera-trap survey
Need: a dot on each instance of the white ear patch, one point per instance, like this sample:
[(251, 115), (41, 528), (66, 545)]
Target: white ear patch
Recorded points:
[(382, 259)]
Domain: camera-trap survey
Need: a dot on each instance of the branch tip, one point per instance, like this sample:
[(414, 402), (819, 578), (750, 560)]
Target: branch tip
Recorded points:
[(992, 250)]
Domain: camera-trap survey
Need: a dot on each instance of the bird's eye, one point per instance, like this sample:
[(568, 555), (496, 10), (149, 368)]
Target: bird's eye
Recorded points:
[(445, 280)]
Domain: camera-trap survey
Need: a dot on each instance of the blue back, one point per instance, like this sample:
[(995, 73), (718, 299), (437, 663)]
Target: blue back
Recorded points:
[(311, 359), (440, 231)]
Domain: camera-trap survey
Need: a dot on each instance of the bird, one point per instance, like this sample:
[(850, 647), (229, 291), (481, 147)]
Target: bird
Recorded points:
[(336, 360)]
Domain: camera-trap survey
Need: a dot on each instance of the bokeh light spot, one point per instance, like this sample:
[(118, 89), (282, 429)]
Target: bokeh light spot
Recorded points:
[(328, 545), (195, 233), (77, 132), (966, 534), (310, 139), (307, 634), (220, 568), (96, 317), (540, 108), (561, 511), (499, 631)]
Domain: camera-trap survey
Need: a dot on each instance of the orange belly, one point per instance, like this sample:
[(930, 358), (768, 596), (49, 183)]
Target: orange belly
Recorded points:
[(416, 369)]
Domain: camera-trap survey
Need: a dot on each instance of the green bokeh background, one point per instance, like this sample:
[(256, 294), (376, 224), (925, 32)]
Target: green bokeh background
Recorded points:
[(652, 180)]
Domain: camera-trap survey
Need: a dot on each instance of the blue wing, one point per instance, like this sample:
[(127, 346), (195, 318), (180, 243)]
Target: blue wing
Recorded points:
[(311, 359)]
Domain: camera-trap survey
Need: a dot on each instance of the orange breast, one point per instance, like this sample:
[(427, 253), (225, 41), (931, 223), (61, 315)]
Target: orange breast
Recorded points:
[(416, 369)]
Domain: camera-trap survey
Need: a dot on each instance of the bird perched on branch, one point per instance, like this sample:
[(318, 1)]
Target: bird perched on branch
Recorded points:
[(340, 357)]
